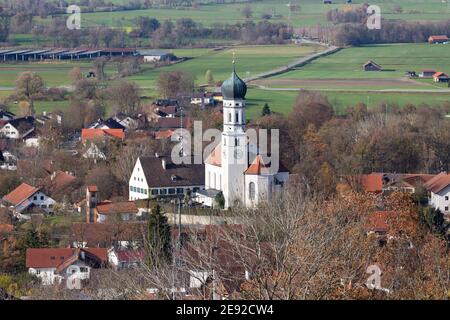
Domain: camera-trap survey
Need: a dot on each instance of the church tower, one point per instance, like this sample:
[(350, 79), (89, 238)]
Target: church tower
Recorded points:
[(234, 140)]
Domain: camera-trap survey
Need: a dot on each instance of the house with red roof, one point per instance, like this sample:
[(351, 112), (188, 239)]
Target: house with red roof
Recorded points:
[(94, 140), (440, 77), (26, 199), (437, 39), (53, 265), (439, 189), (126, 258)]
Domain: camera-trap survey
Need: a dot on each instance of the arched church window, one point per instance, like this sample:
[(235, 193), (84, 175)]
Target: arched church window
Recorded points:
[(251, 191), (236, 142), (237, 116), (229, 117)]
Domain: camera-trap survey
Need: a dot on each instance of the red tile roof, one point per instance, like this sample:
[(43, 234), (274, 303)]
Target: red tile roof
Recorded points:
[(440, 37), (21, 193), (55, 257), (116, 207), (378, 221), (164, 134), (92, 188), (215, 158), (130, 255), (438, 183), (256, 166), (438, 74), (372, 182), (90, 134)]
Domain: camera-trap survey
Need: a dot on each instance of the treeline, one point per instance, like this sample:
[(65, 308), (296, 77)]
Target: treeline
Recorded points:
[(165, 34), (391, 32), (320, 146)]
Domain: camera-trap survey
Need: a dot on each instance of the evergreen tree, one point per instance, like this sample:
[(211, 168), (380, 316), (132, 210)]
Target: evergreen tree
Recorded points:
[(220, 200), (209, 77), (266, 110), (159, 249), (31, 239)]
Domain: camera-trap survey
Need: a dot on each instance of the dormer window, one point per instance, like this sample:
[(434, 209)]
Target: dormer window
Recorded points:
[(173, 177)]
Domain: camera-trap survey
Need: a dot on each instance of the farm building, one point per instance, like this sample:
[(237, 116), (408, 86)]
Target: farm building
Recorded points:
[(371, 66), (411, 74), (429, 73), (62, 54), (440, 77), (437, 39), (156, 55)]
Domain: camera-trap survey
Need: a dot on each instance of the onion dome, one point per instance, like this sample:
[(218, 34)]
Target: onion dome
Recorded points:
[(234, 87)]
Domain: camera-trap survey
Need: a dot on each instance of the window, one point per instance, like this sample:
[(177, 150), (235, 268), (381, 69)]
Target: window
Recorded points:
[(236, 142), (35, 197), (38, 271), (229, 117), (154, 192), (251, 191), (42, 197), (83, 269), (131, 188), (180, 190), (171, 191), (446, 209), (237, 116), (446, 198), (163, 191)]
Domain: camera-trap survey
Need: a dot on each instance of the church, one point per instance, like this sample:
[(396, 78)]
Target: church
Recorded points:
[(235, 167)]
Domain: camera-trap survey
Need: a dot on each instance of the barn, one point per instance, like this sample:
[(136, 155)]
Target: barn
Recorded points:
[(371, 66)]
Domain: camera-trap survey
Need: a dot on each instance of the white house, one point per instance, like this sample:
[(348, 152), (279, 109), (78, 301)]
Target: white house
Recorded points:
[(53, 265), (232, 168), (18, 128), (125, 258), (157, 176), (26, 198), (156, 55), (439, 188)]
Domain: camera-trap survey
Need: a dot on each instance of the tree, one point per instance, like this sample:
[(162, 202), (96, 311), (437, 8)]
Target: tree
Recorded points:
[(31, 239), (25, 109), (75, 75), (29, 85), (209, 77), (247, 12), (159, 248), (100, 65), (220, 200), (176, 83), (266, 110), (126, 96), (5, 23)]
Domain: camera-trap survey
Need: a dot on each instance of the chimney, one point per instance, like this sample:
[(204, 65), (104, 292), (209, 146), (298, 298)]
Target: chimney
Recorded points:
[(91, 203), (156, 154), (163, 161), (53, 176)]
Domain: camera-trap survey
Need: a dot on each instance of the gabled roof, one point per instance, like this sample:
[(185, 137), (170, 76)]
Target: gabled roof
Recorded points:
[(61, 257), (215, 157), (258, 165), (373, 63), (439, 37), (90, 134), (57, 181), (184, 174), (112, 124), (372, 182), (167, 134), (130, 255), (438, 183), (106, 208), (378, 221), (438, 74), (172, 123), (20, 194), (23, 125)]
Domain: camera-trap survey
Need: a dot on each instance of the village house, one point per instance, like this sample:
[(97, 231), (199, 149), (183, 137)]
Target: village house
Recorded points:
[(384, 183), (128, 122), (437, 39), (440, 77), (428, 73), (125, 258), (27, 199), (94, 139), (439, 188), (157, 176), (59, 184), (53, 265), (156, 55), (18, 128), (202, 99), (6, 115), (50, 116), (110, 123), (102, 211), (371, 66)]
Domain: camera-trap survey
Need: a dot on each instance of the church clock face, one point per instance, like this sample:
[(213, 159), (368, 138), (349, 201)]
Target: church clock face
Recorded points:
[(238, 154)]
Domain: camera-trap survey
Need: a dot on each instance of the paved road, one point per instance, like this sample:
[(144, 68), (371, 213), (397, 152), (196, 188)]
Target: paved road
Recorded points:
[(359, 90)]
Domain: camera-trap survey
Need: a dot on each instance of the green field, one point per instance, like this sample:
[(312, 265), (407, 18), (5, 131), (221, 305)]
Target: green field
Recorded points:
[(250, 60), (395, 59), (312, 12)]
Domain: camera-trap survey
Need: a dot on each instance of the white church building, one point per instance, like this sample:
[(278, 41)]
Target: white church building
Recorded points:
[(242, 176)]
